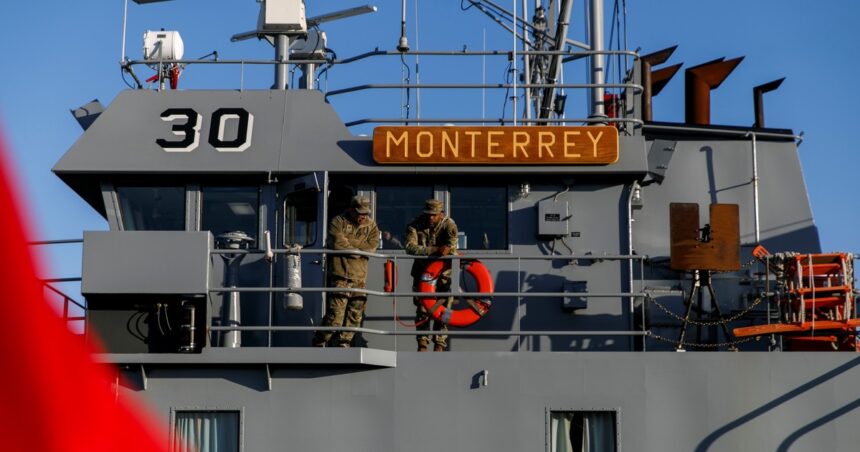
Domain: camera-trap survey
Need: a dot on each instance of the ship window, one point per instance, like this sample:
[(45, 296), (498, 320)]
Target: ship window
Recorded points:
[(339, 196), (300, 218), (582, 431), (396, 207), (481, 214), (206, 431), (229, 209), (152, 208)]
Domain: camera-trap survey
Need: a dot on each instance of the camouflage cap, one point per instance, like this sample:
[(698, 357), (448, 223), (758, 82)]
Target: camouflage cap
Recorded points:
[(361, 204), (432, 207)]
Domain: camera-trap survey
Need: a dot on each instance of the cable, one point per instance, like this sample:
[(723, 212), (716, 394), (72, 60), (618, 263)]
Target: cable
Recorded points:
[(401, 322), (507, 90), (407, 81), (158, 319), (329, 65), (125, 80), (566, 189), (167, 319), (496, 19), (563, 242), (319, 37)]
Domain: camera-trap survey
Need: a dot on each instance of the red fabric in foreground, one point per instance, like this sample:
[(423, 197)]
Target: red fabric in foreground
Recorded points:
[(54, 396)]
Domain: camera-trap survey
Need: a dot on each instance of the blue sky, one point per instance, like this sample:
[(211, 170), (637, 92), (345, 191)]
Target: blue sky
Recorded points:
[(61, 54)]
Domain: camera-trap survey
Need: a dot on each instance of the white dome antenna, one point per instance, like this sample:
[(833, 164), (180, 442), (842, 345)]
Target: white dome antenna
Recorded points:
[(160, 46)]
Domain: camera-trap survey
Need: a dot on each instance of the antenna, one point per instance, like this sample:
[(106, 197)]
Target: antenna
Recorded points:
[(403, 44), (281, 21)]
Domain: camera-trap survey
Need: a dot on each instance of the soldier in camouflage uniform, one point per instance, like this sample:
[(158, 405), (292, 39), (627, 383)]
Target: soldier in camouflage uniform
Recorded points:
[(351, 230), (431, 234)]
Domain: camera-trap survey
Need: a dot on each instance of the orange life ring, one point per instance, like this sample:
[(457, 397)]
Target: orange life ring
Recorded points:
[(456, 317)]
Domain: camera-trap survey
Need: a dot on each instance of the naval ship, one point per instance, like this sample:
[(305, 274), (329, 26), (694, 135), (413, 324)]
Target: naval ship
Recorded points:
[(615, 251)]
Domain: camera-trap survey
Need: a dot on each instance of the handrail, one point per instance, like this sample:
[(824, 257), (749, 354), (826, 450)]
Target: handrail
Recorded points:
[(56, 280), (419, 333), (54, 242), (593, 257), (46, 282), (224, 62), (743, 133), (518, 295), (421, 294), (368, 86), (374, 53), (328, 61), (66, 297), (636, 122)]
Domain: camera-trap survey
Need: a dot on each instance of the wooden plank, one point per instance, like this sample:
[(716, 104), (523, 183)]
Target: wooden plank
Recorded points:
[(761, 330), (784, 328), (482, 145), (688, 252)]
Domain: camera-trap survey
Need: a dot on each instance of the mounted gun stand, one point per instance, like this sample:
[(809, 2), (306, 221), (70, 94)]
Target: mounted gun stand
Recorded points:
[(714, 247), (702, 278)]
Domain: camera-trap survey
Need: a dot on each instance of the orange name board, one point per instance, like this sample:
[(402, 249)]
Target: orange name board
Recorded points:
[(530, 145)]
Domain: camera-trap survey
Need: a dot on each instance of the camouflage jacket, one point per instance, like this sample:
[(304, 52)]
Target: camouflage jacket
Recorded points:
[(420, 236), (345, 234)]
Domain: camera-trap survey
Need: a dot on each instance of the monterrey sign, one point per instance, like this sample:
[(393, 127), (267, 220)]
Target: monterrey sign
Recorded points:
[(455, 145)]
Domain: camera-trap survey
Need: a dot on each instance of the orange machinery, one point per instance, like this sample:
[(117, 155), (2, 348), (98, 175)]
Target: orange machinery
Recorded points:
[(817, 302)]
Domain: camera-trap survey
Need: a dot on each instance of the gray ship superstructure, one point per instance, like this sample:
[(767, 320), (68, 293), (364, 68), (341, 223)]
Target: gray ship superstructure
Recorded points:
[(211, 280)]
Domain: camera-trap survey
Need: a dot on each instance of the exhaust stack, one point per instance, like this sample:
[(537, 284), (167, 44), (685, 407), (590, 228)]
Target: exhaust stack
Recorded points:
[(699, 81), (758, 93), (648, 77)]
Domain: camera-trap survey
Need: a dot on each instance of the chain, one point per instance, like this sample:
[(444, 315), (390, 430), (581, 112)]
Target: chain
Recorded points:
[(700, 323), (730, 344), (748, 264)]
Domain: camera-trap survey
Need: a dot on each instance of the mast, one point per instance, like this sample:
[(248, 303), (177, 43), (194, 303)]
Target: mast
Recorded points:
[(527, 100), (282, 54), (598, 75), (562, 25)]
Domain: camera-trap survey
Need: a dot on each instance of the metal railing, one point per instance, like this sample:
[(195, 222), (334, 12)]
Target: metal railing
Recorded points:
[(518, 295), (327, 64), (67, 301)]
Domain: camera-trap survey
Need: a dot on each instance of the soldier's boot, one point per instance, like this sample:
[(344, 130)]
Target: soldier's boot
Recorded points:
[(438, 348), (318, 341), (422, 345)]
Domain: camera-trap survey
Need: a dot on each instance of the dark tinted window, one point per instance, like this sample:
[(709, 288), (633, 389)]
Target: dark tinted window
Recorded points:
[(227, 209), (481, 214), (300, 218), (152, 208), (396, 207)]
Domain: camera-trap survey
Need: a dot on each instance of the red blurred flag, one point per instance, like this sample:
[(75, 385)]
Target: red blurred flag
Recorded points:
[(54, 396)]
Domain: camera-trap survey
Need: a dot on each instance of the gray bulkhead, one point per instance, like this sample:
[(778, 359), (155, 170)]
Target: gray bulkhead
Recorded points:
[(434, 401)]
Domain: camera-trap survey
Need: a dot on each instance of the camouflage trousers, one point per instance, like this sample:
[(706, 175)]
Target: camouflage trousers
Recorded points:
[(423, 320), (342, 309)]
